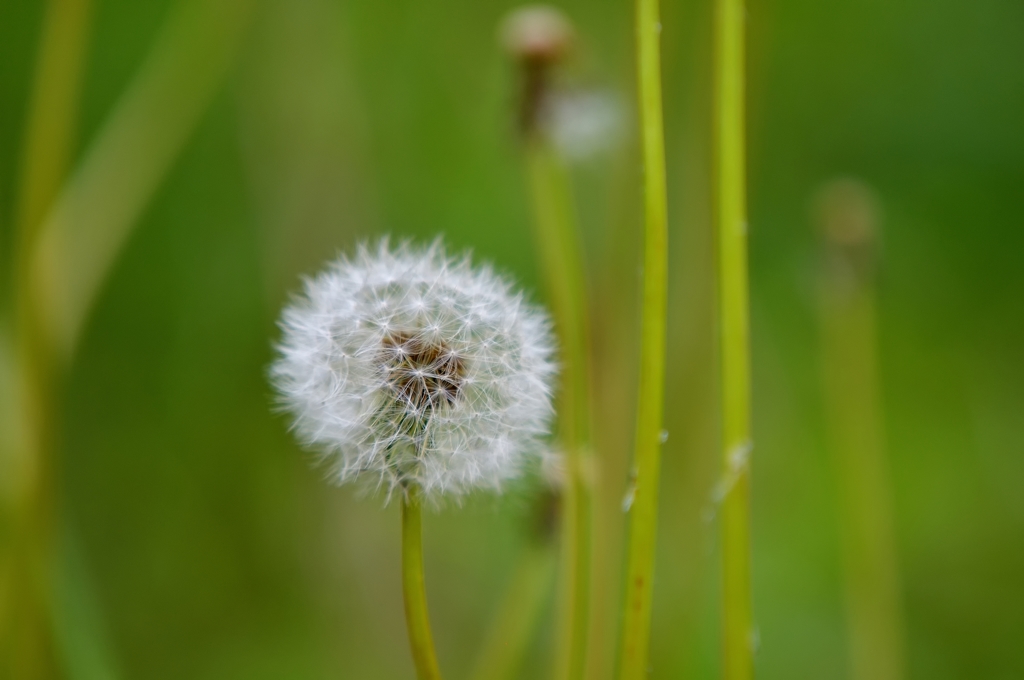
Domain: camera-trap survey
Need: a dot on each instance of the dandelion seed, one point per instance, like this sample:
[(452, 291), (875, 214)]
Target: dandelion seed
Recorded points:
[(407, 367)]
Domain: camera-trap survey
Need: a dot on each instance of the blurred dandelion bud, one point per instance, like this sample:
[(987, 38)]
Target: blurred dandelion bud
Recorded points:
[(848, 214), (537, 37), (848, 218), (537, 33), (581, 123), (410, 368)]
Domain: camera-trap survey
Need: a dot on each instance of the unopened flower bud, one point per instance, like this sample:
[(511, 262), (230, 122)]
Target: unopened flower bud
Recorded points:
[(537, 33)]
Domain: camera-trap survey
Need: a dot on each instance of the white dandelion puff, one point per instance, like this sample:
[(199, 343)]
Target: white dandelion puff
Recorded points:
[(407, 367)]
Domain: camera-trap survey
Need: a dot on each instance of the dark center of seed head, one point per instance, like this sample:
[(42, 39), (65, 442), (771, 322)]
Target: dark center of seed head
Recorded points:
[(422, 374)]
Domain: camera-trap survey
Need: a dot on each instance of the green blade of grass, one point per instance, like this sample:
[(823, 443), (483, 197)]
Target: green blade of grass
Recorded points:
[(129, 158)]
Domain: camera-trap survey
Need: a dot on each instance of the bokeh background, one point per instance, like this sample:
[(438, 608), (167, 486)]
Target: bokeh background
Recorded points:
[(197, 541)]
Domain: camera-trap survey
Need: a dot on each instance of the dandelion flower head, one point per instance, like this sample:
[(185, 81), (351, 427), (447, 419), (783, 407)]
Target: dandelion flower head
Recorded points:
[(405, 366)]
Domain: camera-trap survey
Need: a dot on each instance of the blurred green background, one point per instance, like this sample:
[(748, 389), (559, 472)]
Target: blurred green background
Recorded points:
[(205, 546)]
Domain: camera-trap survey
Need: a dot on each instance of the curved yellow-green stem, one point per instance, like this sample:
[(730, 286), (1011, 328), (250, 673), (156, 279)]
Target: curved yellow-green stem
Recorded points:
[(417, 620), (730, 209), (647, 458)]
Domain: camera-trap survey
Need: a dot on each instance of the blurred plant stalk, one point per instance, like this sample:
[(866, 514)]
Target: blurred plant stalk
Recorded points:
[(738, 633), (27, 645), (558, 238), (539, 37), (508, 639), (69, 234), (643, 504), (52, 117), (136, 147), (848, 218)]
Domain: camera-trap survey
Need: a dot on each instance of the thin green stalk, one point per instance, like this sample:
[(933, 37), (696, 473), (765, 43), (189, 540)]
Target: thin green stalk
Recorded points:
[(561, 253), (852, 404), (51, 117), (507, 641), (81, 631), (131, 154), (647, 458), (730, 206), (27, 645), (414, 590), (27, 648)]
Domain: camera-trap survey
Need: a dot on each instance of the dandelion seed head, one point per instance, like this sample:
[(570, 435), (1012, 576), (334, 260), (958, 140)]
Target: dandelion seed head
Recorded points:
[(405, 366)]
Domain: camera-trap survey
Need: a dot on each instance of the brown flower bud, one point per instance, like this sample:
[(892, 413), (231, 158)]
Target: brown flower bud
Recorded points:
[(537, 33)]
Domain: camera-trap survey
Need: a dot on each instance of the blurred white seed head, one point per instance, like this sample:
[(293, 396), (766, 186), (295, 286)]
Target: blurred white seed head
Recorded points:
[(585, 124), (408, 367)]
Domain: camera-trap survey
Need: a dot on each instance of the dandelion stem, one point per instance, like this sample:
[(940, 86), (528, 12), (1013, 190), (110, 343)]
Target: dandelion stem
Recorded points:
[(414, 590), (561, 253), (644, 509), (854, 417), (730, 207), (518, 615)]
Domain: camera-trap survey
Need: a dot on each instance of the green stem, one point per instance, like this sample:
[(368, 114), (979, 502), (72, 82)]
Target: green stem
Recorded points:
[(27, 646), (51, 118), (417, 619), (647, 458), (730, 206), (131, 154), (856, 436), (558, 240), (875, 628), (508, 639)]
